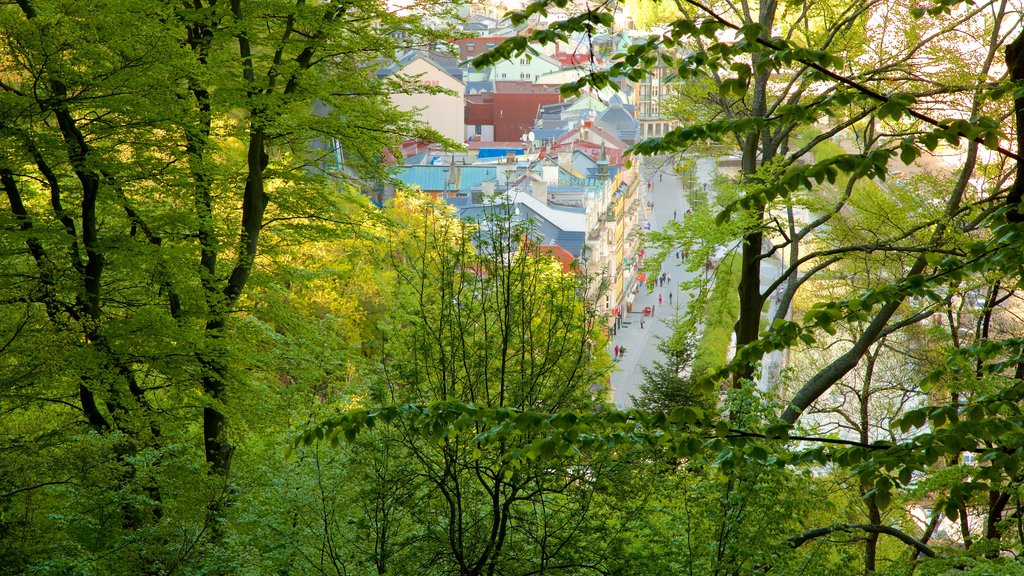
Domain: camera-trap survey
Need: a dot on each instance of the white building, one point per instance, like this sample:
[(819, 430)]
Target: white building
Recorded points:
[(524, 68)]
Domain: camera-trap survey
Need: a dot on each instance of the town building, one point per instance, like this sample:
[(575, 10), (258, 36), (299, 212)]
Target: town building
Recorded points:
[(442, 111)]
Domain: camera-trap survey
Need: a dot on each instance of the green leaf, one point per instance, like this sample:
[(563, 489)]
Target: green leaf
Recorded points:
[(909, 153), (721, 428), (882, 499)]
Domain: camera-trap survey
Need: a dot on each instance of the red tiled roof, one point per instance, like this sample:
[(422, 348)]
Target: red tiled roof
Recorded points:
[(479, 45), (614, 155), (573, 58), (480, 112), (515, 113), (595, 128), (517, 87), (563, 256), (413, 147)]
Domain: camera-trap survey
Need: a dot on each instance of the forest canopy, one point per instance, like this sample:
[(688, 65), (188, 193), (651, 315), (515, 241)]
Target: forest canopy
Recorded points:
[(217, 356)]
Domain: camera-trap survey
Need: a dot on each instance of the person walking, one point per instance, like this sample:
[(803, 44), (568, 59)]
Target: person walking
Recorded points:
[(659, 299), (669, 298), (641, 323), (616, 350)]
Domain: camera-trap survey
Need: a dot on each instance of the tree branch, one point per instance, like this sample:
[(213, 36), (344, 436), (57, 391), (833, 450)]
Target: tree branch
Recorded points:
[(920, 547), (854, 84)]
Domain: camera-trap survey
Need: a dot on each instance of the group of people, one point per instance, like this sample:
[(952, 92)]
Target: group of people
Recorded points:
[(661, 281)]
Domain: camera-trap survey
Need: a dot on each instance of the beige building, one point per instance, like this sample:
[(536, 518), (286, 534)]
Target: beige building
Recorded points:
[(649, 96), (444, 112)]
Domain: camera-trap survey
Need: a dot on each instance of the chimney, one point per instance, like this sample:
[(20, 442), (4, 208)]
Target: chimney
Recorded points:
[(602, 164), (565, 159), (487, 187), (539, 190)]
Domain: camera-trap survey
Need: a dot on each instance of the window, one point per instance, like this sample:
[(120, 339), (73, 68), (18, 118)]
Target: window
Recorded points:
[(470, 47), (490, 45), (503, 75)]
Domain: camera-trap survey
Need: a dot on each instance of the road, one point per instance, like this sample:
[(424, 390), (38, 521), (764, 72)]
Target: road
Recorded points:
[(640, 335)]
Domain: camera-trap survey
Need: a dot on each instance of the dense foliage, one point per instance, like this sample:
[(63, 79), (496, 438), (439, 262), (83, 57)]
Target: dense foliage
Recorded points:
[(216, 357)]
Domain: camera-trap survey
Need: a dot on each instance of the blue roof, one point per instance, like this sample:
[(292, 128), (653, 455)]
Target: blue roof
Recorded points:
[(545, 231), (571, 241), (423, 177), (547, 134), (477, 86), (499, 152), (472, 176), (443, 62), (439, 176)]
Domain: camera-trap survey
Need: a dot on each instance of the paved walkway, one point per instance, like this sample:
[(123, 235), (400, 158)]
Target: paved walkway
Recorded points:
[(669, 197)]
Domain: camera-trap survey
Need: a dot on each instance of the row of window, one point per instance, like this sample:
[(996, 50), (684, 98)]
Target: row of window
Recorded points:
[(655, 129)]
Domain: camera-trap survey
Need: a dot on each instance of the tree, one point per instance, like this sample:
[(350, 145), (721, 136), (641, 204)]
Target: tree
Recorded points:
[(150, 152), (776, 77), (479, 315), (673, 382)]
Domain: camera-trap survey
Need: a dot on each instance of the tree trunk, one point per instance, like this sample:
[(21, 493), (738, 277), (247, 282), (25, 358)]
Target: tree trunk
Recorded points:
[(748, 325), (1015, 64)]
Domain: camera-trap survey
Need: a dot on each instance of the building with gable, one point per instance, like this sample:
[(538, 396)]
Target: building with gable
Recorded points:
[(649, 96), (508, 113), (593, 139), (443, 112), (524, 68), (620, 120), (470, 48)]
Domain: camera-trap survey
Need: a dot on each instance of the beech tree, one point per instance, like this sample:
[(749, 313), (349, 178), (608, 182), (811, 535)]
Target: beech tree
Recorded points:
[(482, 315), (150, 150), (833, 63)]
